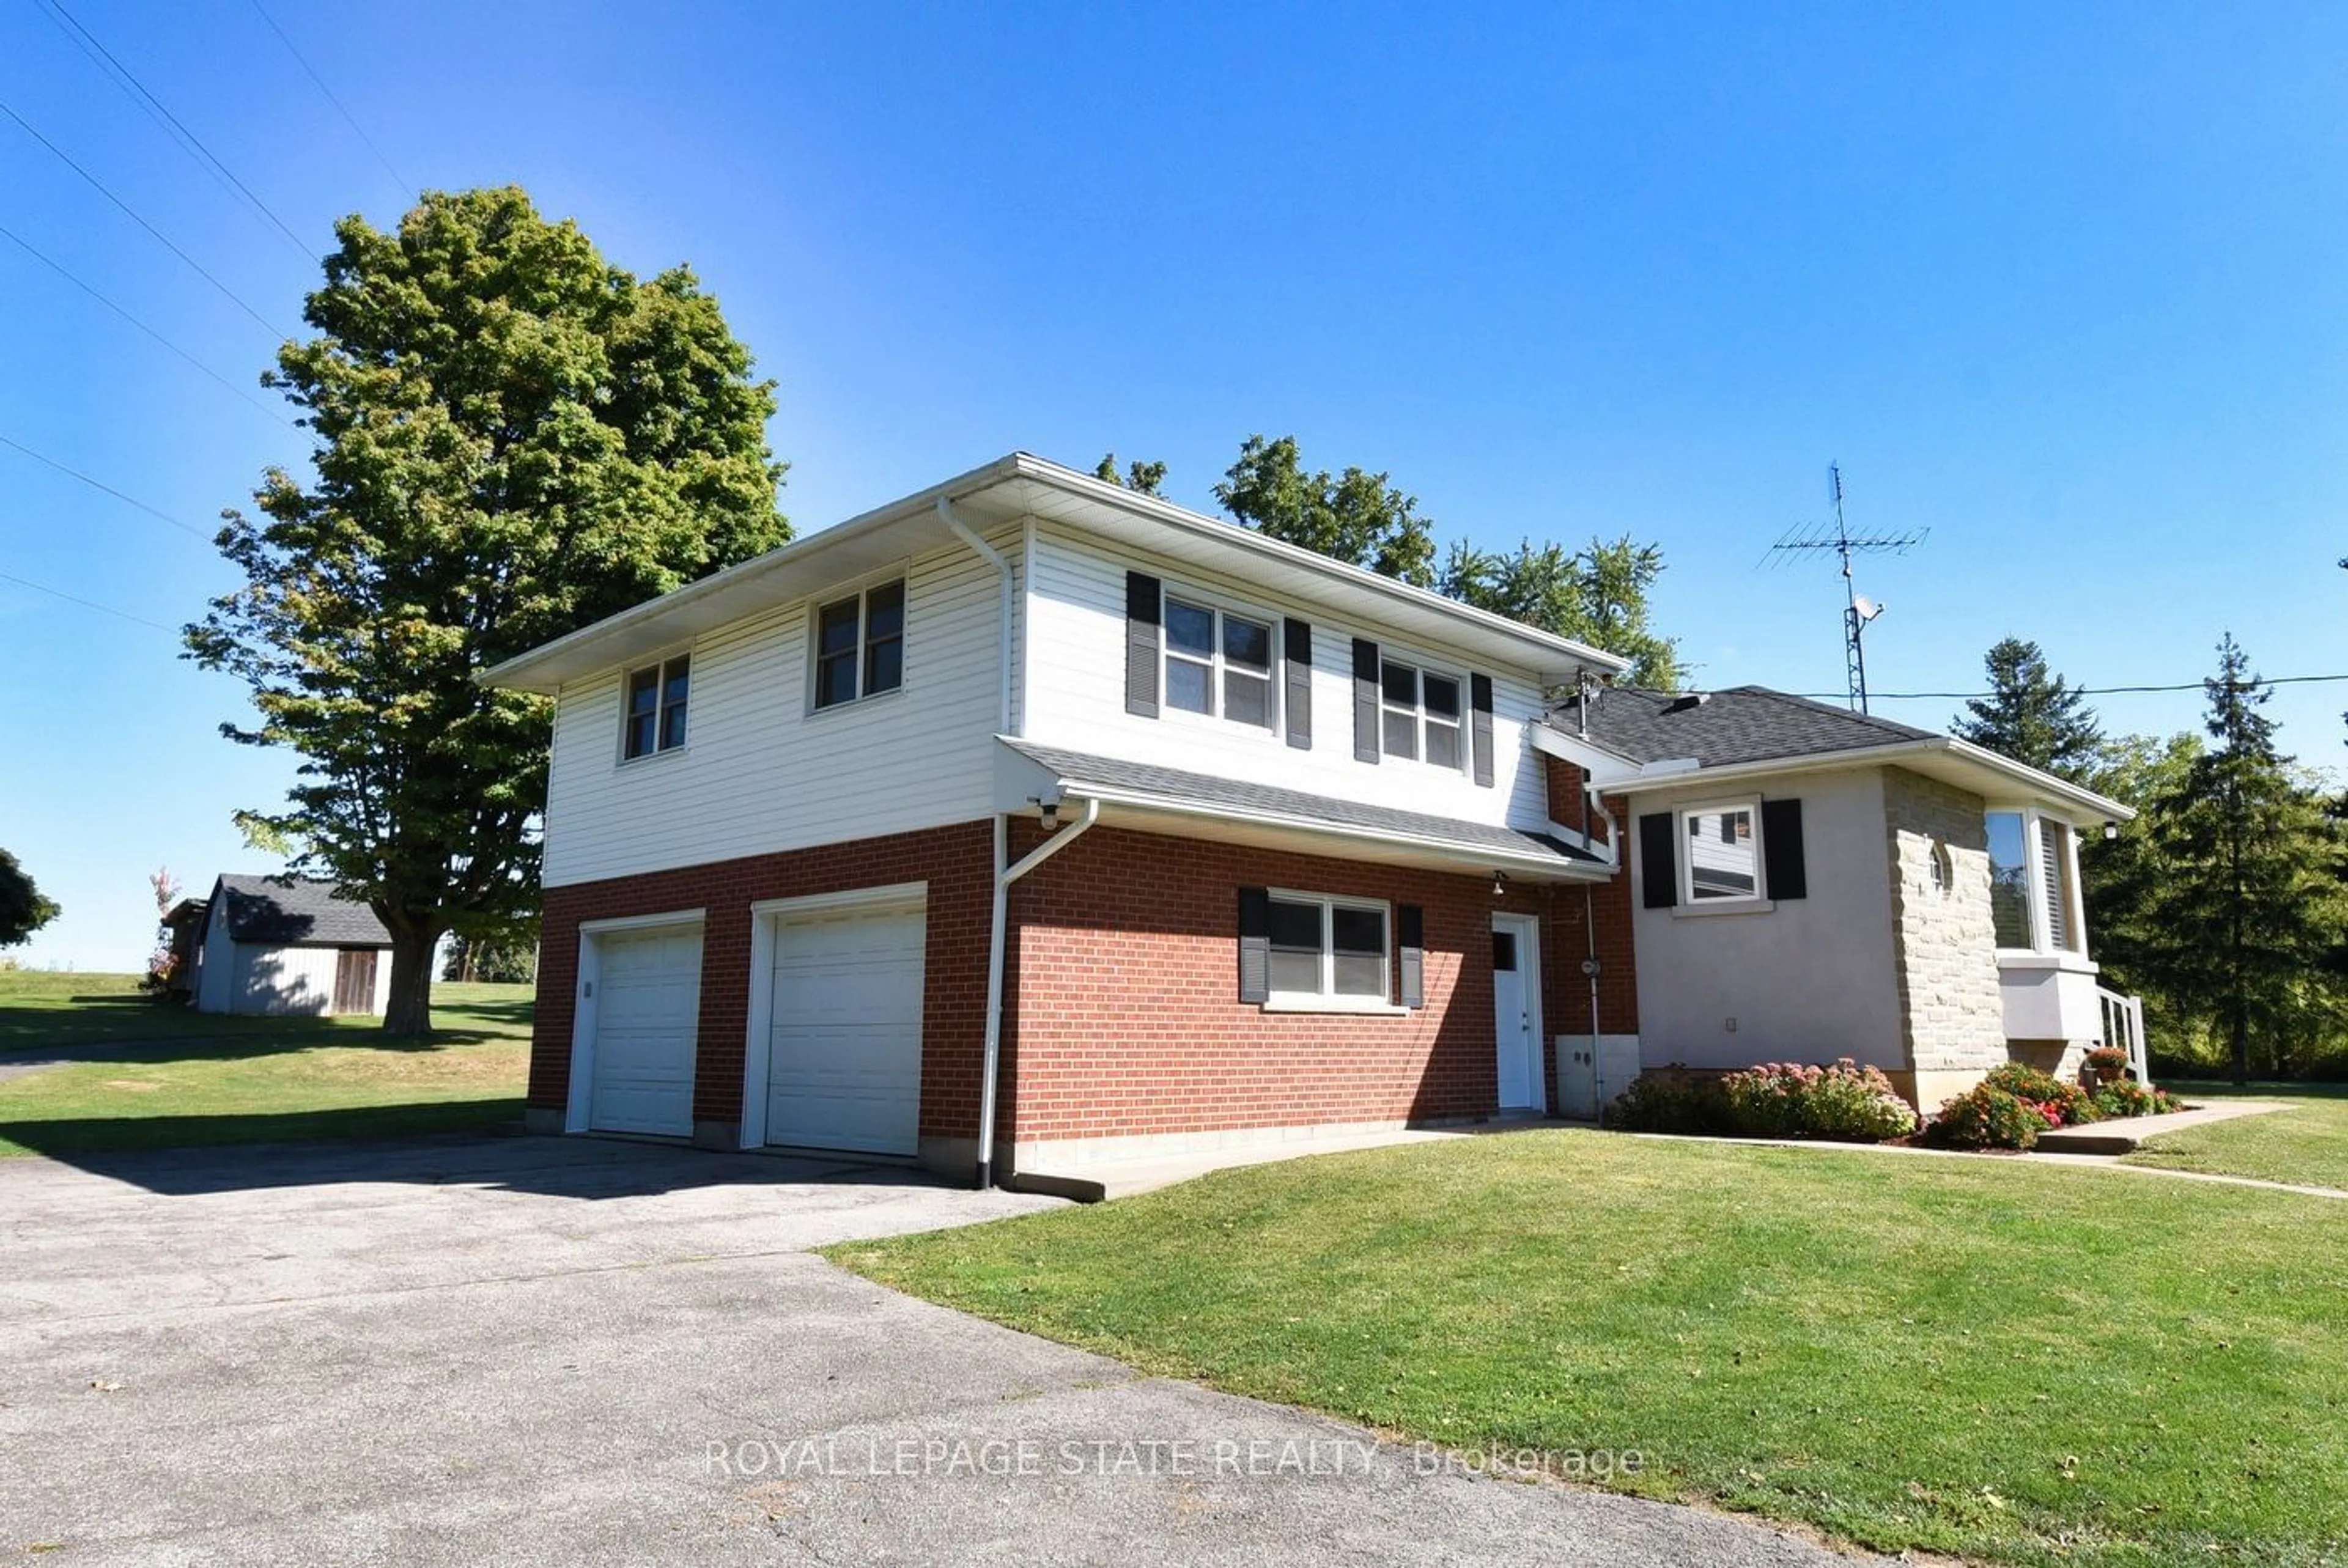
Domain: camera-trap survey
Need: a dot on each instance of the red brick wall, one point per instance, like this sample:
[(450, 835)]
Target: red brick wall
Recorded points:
[(957, 863), (1126, 959), (1617, 977)]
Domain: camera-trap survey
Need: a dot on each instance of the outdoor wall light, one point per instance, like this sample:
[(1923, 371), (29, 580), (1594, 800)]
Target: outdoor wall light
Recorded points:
[(1499, 883), (2111, 830), (1050, 806)]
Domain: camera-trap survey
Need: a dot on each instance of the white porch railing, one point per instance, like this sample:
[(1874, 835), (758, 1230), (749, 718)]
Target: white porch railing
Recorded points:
[(2123, 1027)]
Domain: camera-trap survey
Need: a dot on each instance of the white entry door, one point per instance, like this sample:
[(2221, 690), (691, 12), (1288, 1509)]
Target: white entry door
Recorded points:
[(844, 1041), (1514, 1009), (647, 1004)]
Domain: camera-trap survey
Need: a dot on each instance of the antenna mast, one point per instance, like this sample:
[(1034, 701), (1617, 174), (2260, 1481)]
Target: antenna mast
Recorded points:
[(1858, 608)]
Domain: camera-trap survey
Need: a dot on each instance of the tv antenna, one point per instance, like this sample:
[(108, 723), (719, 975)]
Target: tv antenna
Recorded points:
[(1858, 608)]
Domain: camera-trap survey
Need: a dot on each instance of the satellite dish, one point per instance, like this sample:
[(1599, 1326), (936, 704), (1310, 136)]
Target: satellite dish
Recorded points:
[(1868, 608)]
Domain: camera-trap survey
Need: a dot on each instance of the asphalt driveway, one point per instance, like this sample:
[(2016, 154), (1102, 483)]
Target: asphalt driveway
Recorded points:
[(527, 1351)]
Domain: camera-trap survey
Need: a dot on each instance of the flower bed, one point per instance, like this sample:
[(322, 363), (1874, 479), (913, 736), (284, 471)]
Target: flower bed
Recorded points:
[(1845, 1102), (2013, 1103)]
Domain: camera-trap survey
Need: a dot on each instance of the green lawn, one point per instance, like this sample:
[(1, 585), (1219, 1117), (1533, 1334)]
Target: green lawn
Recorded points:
[(192, 1079), (1981, 1356), (2306, 1145)]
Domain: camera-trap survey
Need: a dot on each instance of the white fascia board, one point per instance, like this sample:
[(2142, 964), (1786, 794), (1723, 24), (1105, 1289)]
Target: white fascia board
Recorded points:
[(545, 668), (1984, 772), (1542, 651), (728, 595), (1600, 766)]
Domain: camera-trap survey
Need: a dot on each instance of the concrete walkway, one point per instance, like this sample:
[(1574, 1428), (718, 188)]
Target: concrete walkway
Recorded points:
[(2126, 1135), (573, 1353)]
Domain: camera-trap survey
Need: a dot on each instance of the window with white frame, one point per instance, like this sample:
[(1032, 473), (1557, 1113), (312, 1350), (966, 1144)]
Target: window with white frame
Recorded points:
[(860, 645), (1420, 714), (1326, 948), (654, 718), (1217, 662), (1722, 858), (2034, 890)]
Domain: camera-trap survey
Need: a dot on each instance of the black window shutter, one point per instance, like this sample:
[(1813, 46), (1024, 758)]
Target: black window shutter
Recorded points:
[(1659, 872), (1365, 700), (1142, 623), (1255, 944), (1298, 637), (1781, 850), (1410, 942), (1479, 706)]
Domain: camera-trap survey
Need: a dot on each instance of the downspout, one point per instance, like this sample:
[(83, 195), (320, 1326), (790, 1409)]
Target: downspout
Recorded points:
[(995, 938), (1003, 878)]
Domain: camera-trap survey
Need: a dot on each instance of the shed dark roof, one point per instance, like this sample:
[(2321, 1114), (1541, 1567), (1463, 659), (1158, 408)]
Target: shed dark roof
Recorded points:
[(1177, 786), (1742, 724), (296, 914)]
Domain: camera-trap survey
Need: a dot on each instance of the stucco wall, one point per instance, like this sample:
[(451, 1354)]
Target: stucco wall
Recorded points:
[(1805, 980), (1953, 1012)]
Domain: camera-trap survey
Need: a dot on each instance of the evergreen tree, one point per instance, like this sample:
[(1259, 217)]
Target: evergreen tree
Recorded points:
[(2031, 714), (2251, 908)]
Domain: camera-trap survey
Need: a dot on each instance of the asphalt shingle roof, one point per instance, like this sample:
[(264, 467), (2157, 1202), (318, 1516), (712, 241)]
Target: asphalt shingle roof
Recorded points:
[(1206, 790), (1741, 725), (300, 914)]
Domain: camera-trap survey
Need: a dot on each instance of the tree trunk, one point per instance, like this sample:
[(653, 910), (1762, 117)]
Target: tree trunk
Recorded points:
[(408, 1013)]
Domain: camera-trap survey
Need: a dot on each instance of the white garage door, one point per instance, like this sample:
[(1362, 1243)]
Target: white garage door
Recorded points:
[(647, 1011), (844, 1054)]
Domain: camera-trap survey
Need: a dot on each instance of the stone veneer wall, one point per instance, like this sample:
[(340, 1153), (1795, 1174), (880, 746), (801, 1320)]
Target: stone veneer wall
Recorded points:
[(1952, 1014)]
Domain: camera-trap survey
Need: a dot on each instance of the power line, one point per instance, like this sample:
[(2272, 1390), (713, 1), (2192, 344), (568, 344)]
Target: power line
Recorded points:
[(63, 272), (189, 143), (320, 82), (99, 484), (2080, 690), (160, 237), (85, 603)]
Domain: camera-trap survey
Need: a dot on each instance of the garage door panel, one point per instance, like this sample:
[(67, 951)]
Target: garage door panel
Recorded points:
[(647, 1018), (844, 1051)]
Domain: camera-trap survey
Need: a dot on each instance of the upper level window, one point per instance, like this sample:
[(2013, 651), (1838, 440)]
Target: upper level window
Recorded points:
[(2034, 899), (1724, 854), (1218, 663), (656, 701), (860, 645), (1328, 949), (1420, 715)]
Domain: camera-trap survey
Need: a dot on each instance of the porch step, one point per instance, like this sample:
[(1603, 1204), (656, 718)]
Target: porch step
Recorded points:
[(2126, 1135)]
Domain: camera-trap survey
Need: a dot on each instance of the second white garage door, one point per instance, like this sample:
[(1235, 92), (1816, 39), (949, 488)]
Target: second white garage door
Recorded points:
[(844, 1052)]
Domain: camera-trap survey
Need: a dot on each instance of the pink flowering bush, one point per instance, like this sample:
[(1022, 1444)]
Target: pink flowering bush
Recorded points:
[(1793, 1100), (2128, 1098), (2066, 1103)]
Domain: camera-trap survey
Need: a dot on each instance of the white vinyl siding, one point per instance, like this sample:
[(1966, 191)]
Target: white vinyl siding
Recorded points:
[(1074, 681), (762, 773)]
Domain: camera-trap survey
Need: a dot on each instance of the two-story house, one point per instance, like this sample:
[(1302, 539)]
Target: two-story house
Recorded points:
[(1028, 823)]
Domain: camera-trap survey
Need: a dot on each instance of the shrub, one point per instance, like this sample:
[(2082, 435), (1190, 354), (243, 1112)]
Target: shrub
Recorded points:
[(1785, 1099), (2066, 1104), (1670, 1101), (2131, 1099), (1988, 1117)]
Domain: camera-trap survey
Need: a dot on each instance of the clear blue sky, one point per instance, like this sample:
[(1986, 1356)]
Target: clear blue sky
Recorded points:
[(2067, 285)]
